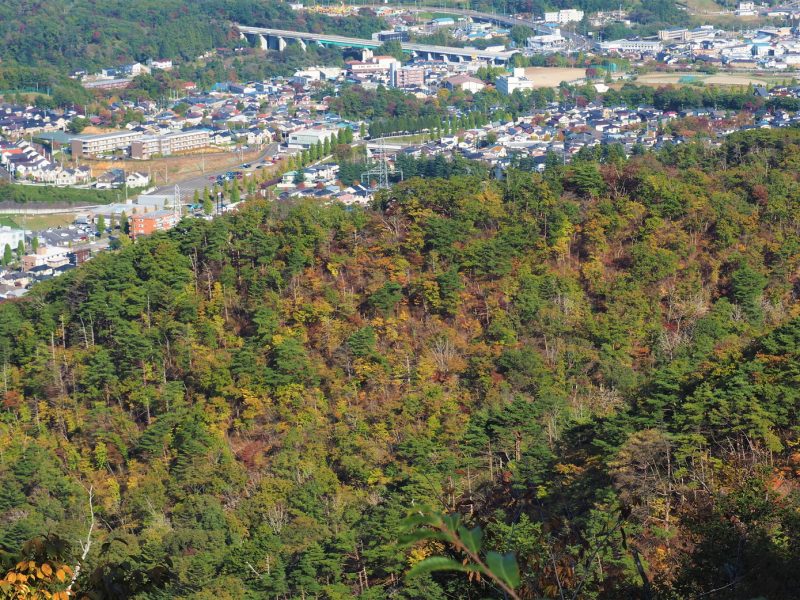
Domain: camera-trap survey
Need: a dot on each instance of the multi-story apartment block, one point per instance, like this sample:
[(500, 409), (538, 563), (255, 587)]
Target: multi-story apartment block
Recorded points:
[(508, 84), (569, 15), (172, 143), (407, 77), (159, 220), (103, 143)]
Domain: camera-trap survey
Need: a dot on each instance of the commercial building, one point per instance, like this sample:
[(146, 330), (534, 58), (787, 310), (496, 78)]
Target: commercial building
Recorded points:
[(681, 34), (145, 224), (637, 46), (10, 237), (172, 143), (508, 84), (391, 36), (372, 64), (104, 143), (305, 138), (551, 42), (464, 82), (569, 15)]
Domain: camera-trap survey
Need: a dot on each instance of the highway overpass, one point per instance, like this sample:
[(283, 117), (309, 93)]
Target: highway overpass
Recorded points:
[(278, 38), (475, 15), (577, 41)]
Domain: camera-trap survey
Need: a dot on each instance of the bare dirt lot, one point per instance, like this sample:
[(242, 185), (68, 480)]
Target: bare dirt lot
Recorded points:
[(553, 76), (175, 168)]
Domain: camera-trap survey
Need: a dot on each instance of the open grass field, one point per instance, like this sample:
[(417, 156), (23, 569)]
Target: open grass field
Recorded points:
[(702, 6), (38, 222), (729, 20), (719, 79), (552, 76)]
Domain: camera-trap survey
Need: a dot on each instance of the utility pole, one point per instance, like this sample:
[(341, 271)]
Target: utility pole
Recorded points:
[(176, 209)]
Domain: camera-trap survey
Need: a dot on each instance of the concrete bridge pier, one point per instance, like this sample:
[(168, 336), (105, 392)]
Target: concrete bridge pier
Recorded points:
[(273, 42), (263, 42), (302, 44)]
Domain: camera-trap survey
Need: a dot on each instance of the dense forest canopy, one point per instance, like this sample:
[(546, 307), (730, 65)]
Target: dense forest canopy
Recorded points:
[(88, 34), (598, 365)]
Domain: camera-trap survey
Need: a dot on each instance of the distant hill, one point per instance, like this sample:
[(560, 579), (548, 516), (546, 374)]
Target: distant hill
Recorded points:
[(89, 34)]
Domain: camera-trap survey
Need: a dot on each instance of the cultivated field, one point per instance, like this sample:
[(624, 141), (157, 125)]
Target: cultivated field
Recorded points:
[(552, 76)]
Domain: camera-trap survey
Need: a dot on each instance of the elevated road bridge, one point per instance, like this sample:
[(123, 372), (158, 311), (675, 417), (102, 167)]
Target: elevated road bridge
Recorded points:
[(277, 39)]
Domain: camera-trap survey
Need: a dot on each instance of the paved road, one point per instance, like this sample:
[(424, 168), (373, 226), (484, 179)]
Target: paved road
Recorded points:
[(188, 186), (340, 40), (577, 41)]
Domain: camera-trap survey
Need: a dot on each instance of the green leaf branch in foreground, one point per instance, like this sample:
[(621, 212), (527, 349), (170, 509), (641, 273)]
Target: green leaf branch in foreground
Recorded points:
[(502, 569)]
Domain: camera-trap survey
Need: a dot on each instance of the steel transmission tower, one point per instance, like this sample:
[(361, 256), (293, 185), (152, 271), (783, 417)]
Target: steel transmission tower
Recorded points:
[(379, 170)]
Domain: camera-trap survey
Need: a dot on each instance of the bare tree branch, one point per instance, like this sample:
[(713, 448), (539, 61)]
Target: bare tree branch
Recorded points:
[(85, 546)]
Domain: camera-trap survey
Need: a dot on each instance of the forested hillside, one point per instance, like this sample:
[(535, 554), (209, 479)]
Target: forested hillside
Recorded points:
[(599, 366), (90, 34)]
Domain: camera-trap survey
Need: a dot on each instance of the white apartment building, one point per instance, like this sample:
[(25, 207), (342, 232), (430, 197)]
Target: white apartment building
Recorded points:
[(10, 237), (508, 84), (746, 9), (568, 15), (103, 143), (172, 143)]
